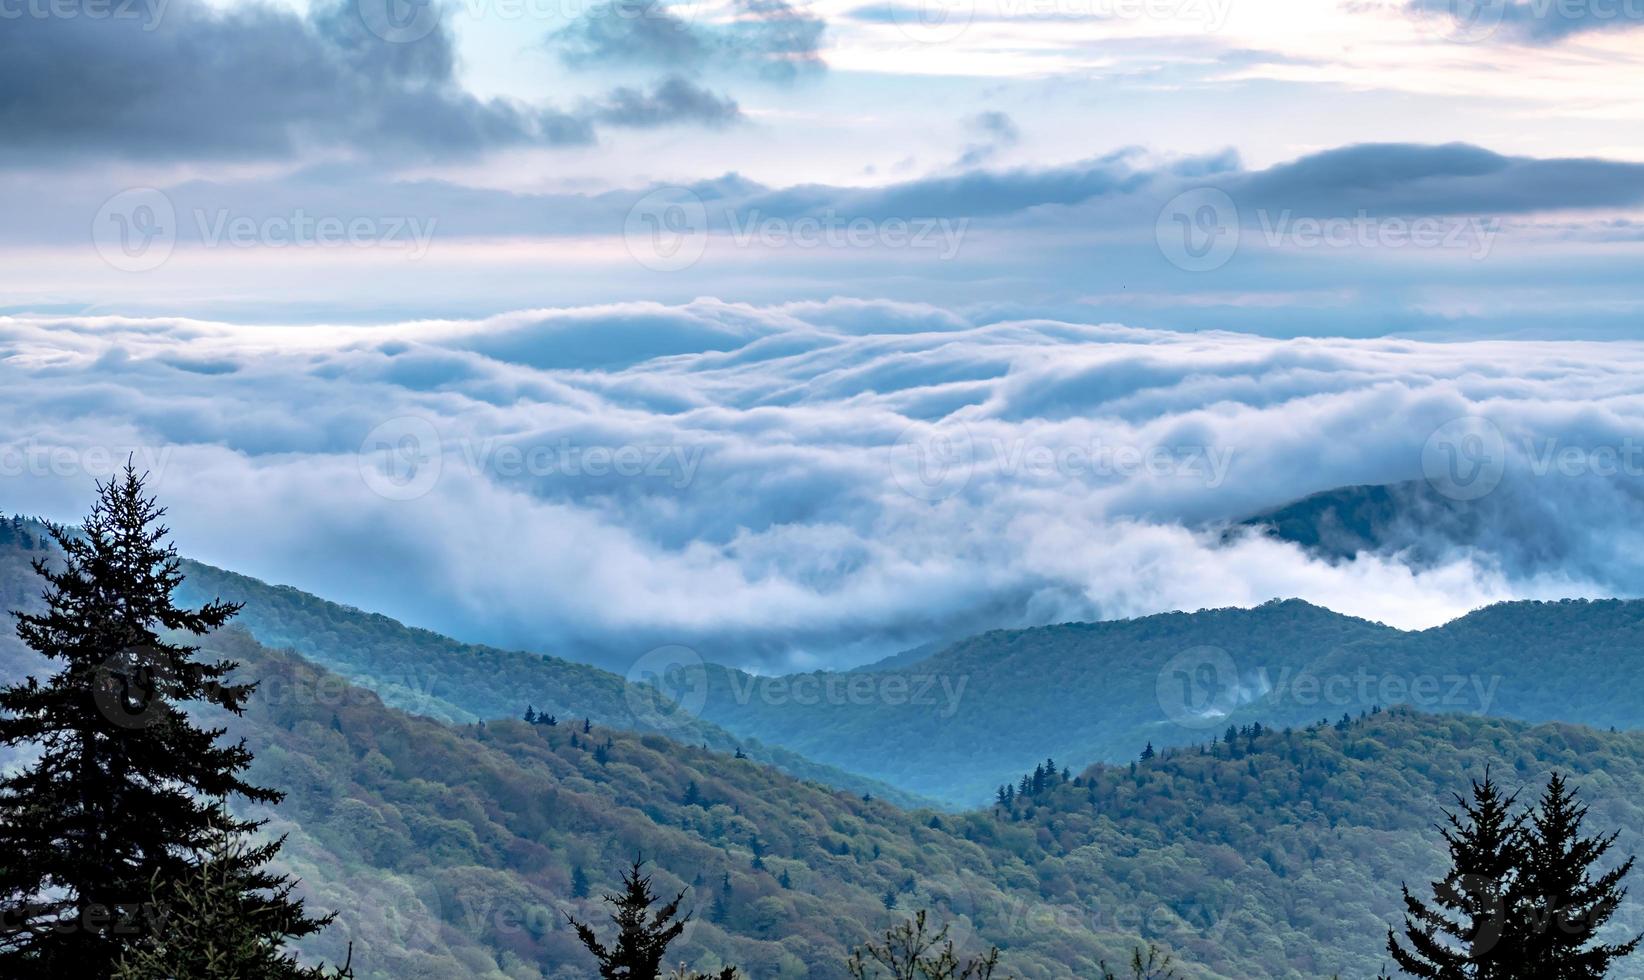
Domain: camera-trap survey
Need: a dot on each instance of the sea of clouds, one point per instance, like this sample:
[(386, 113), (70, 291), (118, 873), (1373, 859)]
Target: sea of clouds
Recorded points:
[(823, 483)]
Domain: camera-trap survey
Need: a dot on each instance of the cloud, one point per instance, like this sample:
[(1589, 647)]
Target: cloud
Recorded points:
[(1454, 178), (994, 131), (670, 102), (747, 480), (1535, 21), (188, 81), (769, 38)]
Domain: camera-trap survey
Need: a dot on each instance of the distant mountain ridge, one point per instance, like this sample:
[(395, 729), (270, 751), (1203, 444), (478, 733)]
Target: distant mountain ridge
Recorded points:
[(415, 669), (1093, 692)]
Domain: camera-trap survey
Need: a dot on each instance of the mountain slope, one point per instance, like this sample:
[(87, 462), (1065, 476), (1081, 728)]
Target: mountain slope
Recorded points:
[(983, 709), (1088, 692), (433, 675)]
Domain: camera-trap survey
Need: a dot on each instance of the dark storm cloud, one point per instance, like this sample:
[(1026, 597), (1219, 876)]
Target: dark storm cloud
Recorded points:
[(178, 80)]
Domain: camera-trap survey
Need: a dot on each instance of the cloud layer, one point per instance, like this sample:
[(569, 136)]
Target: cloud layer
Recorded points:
[(819, 483), (180, 80)]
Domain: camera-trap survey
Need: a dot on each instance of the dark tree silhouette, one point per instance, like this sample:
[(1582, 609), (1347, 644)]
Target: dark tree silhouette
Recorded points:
[(1155, 965), (643, 936), (217, 923), (1521, 901), (1566, 905), (126, 791), (910, 951), (1467, 932)]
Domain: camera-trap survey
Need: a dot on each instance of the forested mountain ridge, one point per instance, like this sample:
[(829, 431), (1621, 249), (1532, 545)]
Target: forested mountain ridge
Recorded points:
[(419, 670), (1086, 692), (456, 850)]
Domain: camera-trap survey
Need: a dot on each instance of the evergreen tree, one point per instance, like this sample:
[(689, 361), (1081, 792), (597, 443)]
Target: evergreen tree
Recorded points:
[(126, 790), (217, 922), (1469, 933), (642, 935), (579, 882), (1566, 906)]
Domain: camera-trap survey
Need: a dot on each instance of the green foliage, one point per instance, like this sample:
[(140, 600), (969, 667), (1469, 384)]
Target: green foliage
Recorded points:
[(429, 674), (983, 709), (217, 922)]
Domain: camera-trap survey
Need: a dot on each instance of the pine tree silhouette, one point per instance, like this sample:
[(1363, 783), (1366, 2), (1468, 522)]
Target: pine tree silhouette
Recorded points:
[(219, 924), (1566, 905), (1467, 933), (643, 936), (126, 790)]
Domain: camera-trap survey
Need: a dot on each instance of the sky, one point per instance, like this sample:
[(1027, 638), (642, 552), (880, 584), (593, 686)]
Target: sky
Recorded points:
[(590, 326)]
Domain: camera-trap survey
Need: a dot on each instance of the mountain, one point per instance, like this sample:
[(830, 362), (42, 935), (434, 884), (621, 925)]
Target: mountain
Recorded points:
[(455, 849), (429, 674), (954, 725), (966, 719), (1410, 517), (447, 844)]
